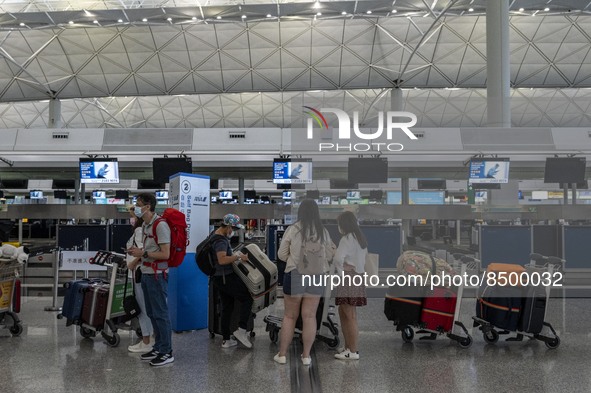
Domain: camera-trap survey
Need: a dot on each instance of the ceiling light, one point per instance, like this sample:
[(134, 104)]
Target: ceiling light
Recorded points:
[(269, 16), (95, 21), (144, 20), (317, 4), (218, 17), (470, 9), (243, 16), (344, 13), (71, 22), (368, 12), (319, 14), (21, 24), (120, 20), (546, 9), (169, 19), (194, 18), (394, 11), (521, 9)]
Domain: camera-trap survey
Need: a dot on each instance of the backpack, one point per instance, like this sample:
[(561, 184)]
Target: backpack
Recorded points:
[(204, 254), (178, 236), (314, 258)]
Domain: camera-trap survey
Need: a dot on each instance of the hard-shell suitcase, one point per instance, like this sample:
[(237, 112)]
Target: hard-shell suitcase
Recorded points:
[(439, 309), (94, 309), (500, 306), (260, 276), (214, 313), (403, 305), (73, 300), (534, 310)]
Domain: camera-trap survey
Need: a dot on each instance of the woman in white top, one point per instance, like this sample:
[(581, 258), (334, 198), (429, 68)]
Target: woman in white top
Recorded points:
[(132, 264), (306, 247), (350, 259)]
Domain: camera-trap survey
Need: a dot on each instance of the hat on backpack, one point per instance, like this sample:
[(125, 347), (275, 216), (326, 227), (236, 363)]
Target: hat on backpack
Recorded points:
[(232, 220)]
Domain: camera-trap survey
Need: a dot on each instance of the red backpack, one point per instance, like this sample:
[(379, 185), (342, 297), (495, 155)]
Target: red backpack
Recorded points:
[(178, 236)]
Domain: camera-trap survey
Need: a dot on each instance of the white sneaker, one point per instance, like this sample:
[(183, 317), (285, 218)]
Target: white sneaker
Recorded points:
[(280, 359), (140, 347), (241, 336), (229, 343), (306, 361), (347, 355)]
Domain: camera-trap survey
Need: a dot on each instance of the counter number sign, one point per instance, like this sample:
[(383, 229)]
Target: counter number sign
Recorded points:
[(186, 187)]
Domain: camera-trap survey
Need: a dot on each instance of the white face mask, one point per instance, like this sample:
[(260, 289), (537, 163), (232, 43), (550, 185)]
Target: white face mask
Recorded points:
[(138, 211)]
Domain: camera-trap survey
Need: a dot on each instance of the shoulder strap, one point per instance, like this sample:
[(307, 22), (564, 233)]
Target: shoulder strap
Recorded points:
[(154, 233)]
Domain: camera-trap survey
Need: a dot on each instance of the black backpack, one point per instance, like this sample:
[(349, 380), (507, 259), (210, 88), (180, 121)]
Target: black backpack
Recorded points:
[(204, 257)]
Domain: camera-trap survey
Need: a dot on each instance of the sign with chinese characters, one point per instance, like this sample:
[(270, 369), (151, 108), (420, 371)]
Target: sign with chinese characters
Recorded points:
[(78, 260), (190, 194)]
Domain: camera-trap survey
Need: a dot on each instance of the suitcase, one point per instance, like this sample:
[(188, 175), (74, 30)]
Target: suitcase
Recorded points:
[(214, 314), (403, 305), (508, 268), (534, 310), (500, 306), (439, 309), (16, 296), (73, 300), (260, 276), (420, 263), (94, 308)]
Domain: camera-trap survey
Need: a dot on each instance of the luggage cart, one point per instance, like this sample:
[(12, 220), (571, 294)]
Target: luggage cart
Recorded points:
[(328, 331), (458, 332), (116, 271), (491, 334), (10, 270)]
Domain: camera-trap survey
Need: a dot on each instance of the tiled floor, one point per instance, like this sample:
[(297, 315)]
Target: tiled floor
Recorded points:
[(50, 357)]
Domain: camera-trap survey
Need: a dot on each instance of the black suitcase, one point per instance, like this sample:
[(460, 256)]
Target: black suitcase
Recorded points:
[(403, 305), (214, 314), (500, 306), (534, 310)]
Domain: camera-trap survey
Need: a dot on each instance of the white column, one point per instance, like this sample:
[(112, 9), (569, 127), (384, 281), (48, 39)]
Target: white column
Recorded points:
[(55, 113), (498, 64)]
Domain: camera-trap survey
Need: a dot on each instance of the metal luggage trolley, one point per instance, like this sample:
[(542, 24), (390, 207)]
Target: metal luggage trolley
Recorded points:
[(328, 331), (539, 264), (462, 337), (116, 271), (10, 270)]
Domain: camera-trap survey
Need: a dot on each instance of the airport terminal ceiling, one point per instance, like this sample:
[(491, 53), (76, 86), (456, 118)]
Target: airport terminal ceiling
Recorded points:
[(173, 64)]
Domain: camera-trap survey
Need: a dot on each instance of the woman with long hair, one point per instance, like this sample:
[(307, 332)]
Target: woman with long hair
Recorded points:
[(350, 259), (306, 247), (136, 240)]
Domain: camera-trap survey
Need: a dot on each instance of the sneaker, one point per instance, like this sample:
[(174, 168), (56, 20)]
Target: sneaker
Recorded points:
[(280, 359), (347, 355), (306, 361), (341, 349), (241, 336), (150, 355), (162, 359), (229, 343), (140, 347)]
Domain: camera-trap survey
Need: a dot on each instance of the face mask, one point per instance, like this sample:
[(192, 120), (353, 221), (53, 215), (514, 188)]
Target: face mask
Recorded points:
[(138, 212), (132, 221)]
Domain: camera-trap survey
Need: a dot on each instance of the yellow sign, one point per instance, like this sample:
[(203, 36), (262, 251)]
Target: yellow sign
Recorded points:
[(5, 294)]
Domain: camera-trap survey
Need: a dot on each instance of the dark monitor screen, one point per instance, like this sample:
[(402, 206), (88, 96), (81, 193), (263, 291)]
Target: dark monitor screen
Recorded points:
[(341, 184), (565, 170), (14, 183), (250, 194), (313, 194), (144, 184), (64, 184), (368, 170), (214, 184), (164, 168), (121, 194), (291, 186), (376, 195), (431, 184), (486, 186)]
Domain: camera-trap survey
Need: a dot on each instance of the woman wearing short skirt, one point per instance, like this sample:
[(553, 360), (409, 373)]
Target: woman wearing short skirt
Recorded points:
[(350, 259)]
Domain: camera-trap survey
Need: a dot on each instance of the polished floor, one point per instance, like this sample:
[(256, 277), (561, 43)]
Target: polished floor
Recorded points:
[(50, 357)]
